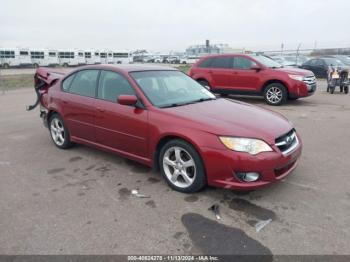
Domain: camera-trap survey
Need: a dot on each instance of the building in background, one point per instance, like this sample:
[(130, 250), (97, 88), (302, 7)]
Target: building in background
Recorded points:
[(207, 48)]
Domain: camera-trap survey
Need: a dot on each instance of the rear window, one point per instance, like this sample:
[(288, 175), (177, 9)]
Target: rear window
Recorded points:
[(67, 82), (206, 63), (217, 62), (222, 62), (84, 83)]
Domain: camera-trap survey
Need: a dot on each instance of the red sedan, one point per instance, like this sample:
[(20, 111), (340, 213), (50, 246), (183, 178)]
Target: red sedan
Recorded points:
[(162, 118)]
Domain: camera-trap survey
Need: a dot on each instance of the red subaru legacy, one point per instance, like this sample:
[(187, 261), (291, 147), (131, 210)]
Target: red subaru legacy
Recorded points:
[(163, 118)]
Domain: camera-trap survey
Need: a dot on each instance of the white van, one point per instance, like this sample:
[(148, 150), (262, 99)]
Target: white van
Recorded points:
[(10, 57)]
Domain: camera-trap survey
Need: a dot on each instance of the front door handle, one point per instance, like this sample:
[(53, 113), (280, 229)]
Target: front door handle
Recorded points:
[(101, 109)]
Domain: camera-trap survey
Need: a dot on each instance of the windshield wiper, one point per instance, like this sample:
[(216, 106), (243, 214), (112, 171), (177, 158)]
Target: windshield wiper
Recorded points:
[(204, 99), (188, 103)]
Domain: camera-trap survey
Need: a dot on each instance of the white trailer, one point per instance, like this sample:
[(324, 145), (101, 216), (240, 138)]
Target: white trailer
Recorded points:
[(97, 57), (91, 57), (71, 58), (11, 57), (110, 59), (43, 57), (122, 57), (103, 57)]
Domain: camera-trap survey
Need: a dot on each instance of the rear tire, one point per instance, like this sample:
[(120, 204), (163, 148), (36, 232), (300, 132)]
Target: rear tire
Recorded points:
[(205, 84), (35, 65), (346, 89), (59, 132), (6, 66), (182, 167), (65, 65), (275, 94)]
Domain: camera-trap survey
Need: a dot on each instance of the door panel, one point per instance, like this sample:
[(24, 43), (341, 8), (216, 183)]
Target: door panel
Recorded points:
[(78, 101), (244, 78), (121, 127), (79, 114)]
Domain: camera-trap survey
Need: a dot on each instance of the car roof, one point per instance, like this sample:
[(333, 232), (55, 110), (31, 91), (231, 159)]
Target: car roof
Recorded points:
[(129, 67)]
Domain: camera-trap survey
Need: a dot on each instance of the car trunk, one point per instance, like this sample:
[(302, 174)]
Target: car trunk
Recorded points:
[(44, 78)]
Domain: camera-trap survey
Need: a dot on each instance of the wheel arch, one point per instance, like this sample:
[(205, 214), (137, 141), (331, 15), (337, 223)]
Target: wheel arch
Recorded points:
[(168, 137), (271, 81)]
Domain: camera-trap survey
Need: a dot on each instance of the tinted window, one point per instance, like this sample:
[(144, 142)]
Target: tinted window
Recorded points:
[(112, 85), (84, 83), (242, 63), (222, 62), (67, 82), (206, 63)]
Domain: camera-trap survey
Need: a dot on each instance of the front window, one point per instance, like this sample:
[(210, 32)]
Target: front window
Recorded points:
[(268, 62), (170, 88)]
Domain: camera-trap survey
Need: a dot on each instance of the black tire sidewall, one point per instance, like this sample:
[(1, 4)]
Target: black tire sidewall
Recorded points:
[(67, 143), (200, 180), (284, 93)]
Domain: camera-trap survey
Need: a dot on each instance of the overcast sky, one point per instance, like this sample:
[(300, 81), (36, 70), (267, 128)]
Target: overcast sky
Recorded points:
[(163, 25)]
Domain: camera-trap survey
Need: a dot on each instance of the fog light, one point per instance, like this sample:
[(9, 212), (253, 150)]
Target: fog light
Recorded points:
[(248, 177)]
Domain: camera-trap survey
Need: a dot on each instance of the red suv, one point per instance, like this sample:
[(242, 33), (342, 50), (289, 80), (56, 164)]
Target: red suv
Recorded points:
[(253, 75), (163, 118)]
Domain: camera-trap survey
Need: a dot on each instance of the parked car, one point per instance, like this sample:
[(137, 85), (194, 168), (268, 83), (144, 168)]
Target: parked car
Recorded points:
[(284, 61), (188, 59), (162, 118), (253, 75), (290, 60), (171, 60), (320, 66), (344, 58)]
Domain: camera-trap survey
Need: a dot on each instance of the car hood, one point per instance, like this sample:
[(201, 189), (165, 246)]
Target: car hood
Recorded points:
[(232, 118), (295, 71)]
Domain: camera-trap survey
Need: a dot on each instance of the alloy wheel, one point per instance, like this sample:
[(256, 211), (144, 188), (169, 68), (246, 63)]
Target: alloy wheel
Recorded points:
[(179, 167), (274, 95), (57, 131)]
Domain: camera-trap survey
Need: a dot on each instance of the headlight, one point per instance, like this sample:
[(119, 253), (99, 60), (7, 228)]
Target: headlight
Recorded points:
[(297, 77), (248, 145)]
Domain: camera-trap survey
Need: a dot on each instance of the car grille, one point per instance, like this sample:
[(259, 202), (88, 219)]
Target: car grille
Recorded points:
[(310, 82), (288, 142)]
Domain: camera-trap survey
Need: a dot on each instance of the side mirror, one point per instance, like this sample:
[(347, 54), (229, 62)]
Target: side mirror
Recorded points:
[(255, 67), (127, 100)]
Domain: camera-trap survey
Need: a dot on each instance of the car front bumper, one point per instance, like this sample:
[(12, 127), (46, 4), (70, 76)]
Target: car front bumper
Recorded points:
[(222, 167), (300, 89)]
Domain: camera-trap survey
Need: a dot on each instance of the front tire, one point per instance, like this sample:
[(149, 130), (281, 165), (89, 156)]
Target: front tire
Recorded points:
[(275, 94), (182, 167), (59, 132)]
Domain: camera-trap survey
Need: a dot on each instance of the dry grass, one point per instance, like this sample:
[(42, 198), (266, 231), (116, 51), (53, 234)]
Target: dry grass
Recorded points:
[(16, 81)]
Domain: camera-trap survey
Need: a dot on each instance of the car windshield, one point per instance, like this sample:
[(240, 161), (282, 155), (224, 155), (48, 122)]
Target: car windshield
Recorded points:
[(333, 62), (345, 59), (268, 62), (171, 88)]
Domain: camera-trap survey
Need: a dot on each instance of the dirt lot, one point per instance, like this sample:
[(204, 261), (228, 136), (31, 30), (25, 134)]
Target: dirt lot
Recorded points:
[(78, 201)]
